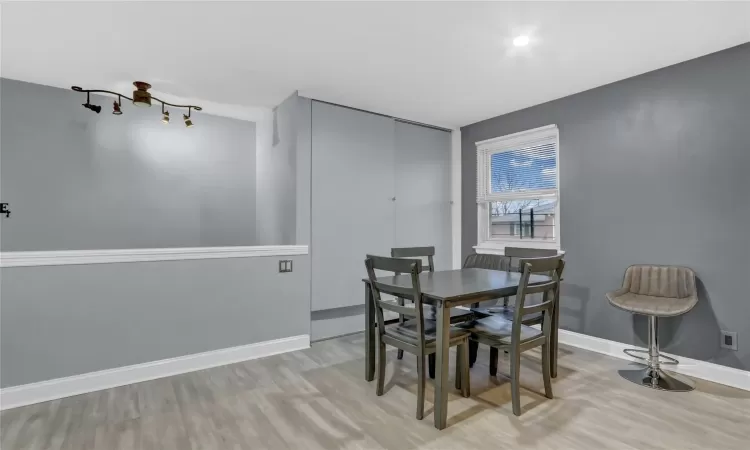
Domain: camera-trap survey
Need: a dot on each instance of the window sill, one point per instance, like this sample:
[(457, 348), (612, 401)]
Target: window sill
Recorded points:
[(498, 247)]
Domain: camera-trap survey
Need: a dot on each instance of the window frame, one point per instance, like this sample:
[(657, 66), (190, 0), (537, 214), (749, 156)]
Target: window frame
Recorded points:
[(485, 150)]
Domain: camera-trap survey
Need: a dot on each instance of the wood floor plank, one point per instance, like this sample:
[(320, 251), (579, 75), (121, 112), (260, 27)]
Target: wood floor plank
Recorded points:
[(317, 399)]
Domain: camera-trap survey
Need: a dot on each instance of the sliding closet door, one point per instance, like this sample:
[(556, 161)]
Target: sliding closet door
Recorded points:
[(353, 207), (423, 190)]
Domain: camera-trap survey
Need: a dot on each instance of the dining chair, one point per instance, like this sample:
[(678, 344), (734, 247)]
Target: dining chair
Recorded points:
[(515, 253), (502, 334), (415, 335), (489, 262), (516, 256), (457, 315)]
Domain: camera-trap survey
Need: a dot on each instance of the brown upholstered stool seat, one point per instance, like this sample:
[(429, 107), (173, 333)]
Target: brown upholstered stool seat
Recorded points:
[(650, 305), (662, 291)]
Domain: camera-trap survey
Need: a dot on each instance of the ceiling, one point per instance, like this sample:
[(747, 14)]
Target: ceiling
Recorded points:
[(443, 63)]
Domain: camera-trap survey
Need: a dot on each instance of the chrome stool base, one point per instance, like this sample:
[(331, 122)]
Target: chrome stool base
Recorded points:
[(655, 379), (651, 375)]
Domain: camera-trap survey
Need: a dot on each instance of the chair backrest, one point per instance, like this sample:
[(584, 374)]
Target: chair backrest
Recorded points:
[(660, 281), (491, 262), (416, 252), (516, 254), (553, 266), (519, 252), (543, 264), (413, 291)]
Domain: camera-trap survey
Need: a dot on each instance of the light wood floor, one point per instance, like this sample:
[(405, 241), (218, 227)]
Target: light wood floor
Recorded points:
[(318, 399)]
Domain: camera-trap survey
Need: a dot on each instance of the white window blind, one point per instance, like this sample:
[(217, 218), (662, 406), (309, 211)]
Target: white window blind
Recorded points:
[(522, 165)]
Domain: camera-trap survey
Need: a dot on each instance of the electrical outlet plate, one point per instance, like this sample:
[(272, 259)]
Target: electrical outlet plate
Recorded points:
[(729, 339), (285, 265)]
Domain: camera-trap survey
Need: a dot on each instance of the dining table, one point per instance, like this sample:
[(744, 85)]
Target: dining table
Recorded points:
[(444, 290)]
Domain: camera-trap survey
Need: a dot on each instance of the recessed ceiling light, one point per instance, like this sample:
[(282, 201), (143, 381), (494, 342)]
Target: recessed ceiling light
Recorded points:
[(521, 41)]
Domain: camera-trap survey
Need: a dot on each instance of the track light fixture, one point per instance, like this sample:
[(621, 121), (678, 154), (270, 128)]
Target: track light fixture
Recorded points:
[(96, 108), (116, 109), (186, 118), (141, 98), (165, 115)]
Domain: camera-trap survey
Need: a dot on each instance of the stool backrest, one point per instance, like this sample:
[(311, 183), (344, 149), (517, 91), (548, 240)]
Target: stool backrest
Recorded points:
[(660, 281)]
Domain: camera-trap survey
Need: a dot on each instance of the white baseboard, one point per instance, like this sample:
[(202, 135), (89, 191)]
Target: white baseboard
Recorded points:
[(42, 391), (691, 367)]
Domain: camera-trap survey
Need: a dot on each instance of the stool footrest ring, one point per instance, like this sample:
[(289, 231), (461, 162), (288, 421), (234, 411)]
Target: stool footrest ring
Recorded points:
[(628, 351), (663, 359)]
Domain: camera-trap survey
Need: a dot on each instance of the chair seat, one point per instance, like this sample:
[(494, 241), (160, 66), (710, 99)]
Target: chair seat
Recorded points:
[(499, 329), (407, 331), (651, 305), (507, 312), (458, 315)]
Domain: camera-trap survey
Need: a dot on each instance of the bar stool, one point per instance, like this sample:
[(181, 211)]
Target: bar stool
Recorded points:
[(655, 291)]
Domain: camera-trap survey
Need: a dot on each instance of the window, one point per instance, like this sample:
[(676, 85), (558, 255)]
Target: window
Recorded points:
[(517, 190)]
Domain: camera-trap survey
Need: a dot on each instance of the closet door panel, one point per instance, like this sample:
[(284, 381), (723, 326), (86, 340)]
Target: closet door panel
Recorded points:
[(423, 184), (353, 211)]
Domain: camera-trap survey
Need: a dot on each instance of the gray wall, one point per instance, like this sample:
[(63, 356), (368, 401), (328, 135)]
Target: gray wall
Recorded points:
[(404, 182), (276, 178), (66, 320), (76, 180), (653, 169), (303, 123)]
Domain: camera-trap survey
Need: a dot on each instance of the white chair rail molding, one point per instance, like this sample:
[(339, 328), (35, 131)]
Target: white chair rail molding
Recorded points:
[(68, 257)]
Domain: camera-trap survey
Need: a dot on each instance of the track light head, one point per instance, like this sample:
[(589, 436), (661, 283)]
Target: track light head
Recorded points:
[(165, 118), (116, 109), (96, 108), (188, 122), (141, 96)]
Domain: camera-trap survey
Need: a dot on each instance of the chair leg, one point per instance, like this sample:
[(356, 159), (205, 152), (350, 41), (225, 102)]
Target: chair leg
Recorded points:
[(493, 361), (465, 374), (515, 369), (459, 358), (381, 367), (420, 387), (473, 350), (431, 364), (400, 353), (547, 369)]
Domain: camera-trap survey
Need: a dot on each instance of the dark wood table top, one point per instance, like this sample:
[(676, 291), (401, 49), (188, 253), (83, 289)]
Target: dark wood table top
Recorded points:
[(469, 284)]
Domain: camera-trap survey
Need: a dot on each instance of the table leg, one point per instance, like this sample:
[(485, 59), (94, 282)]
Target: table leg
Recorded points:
[(441, 380), (554, 335), (369, 334), (473, 350)]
